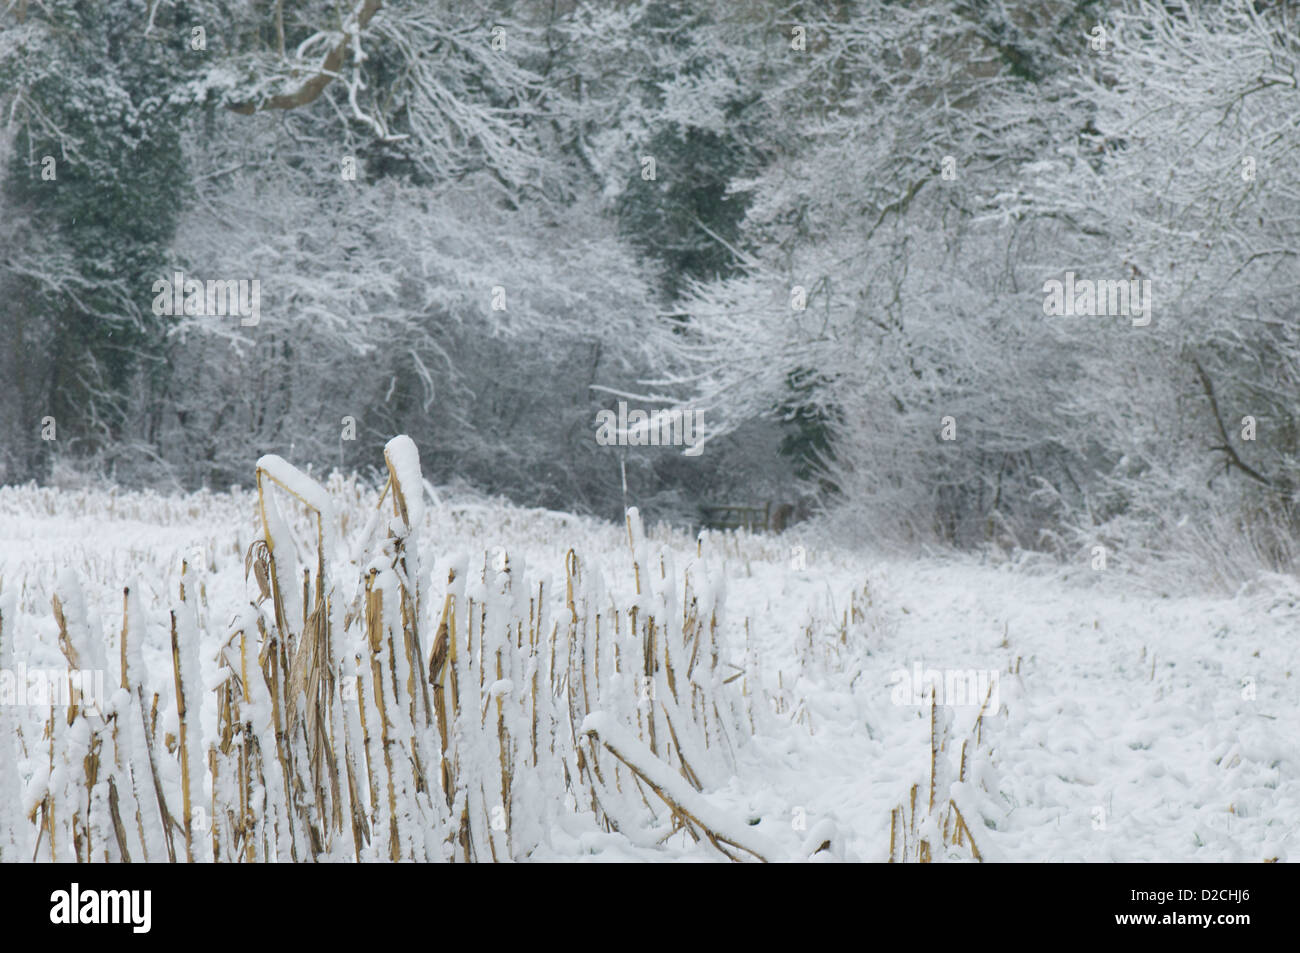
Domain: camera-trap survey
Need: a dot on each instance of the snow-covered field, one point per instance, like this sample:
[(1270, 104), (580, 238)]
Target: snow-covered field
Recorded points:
[(1109, 723)]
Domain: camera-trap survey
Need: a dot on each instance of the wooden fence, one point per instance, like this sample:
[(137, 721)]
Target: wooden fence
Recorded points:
[(765, 518)]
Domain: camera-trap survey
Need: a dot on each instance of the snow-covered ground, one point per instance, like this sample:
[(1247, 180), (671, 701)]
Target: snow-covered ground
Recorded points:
[(1118, 724), (1139, 727)]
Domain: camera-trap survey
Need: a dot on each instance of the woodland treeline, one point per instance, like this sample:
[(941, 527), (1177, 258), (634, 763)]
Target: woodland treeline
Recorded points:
[(825, 226)]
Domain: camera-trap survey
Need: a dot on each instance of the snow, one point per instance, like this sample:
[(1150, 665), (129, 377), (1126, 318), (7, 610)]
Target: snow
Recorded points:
[(633, 752), (404, 461), (296, 482), (1130, 725)]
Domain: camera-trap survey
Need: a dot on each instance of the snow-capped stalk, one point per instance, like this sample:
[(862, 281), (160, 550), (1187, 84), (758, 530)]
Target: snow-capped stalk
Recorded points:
[(337, 737), (86, 779), (139, 798), (13, 844), (188, 789)]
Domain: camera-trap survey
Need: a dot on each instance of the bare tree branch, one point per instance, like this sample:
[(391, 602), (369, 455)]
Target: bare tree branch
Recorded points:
[(310, 90), (1231, 459)]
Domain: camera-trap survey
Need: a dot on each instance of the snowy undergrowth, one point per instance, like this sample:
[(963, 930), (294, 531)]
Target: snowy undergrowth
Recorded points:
[(1112, 723)]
